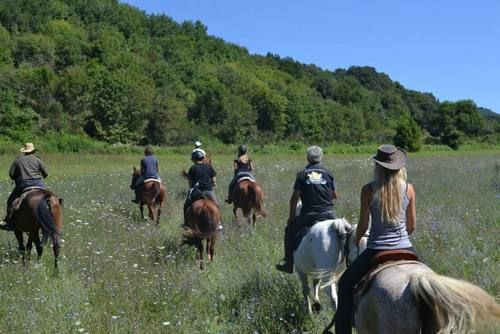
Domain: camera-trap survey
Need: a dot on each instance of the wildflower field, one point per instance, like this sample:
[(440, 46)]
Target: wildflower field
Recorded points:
[(120, 274)]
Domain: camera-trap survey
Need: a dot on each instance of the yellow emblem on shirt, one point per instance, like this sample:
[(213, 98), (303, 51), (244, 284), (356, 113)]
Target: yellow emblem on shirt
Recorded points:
[(315, 178)]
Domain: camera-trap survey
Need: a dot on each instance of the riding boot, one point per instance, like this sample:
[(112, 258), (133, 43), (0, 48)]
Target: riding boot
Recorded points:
[(136, 199), (287, 266), (9, 221)]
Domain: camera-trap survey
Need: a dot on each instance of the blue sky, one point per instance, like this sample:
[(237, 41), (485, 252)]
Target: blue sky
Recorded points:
[(450, 48)]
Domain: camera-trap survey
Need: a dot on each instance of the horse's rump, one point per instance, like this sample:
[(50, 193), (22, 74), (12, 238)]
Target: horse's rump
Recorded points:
[(246, 195), (321, 248), (388, 298), (42, 209), (202, 220)]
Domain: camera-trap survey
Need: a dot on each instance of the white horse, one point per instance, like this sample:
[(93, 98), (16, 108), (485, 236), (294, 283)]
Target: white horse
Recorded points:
[(410, 298), (318, 257)]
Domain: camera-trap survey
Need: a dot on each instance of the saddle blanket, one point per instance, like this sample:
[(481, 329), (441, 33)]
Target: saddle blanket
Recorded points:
[(152, 180), (247, 178)]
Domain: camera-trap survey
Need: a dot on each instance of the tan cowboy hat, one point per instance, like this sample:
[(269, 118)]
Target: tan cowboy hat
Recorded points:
[(28, 148), (390, 157)]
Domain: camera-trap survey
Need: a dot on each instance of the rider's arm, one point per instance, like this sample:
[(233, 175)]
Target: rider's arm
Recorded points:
[(213, 181), (235, 166), (411, 212), (364, 213), (43, 170), (143, 166), (251, 165), (12, 171), (293, 206)]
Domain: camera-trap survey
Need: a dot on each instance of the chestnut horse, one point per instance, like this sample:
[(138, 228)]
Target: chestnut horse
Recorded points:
[(152, 194), (248, 196), (202, 221), (39, 210)]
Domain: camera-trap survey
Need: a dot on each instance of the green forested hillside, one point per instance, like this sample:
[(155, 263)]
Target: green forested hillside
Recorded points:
[(112, 72)]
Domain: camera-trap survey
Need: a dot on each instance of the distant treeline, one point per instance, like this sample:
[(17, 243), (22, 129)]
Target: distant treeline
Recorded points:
[(109, 71)]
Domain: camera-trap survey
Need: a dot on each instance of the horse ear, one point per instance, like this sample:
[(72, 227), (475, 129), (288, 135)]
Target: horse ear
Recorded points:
[(135, 169), (61, 201)]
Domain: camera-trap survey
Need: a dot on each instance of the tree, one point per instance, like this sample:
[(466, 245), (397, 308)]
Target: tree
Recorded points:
[(408, 134)]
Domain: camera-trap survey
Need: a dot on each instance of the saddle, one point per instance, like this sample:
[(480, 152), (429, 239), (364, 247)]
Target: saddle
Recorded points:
[(194, 194), (18, 201)]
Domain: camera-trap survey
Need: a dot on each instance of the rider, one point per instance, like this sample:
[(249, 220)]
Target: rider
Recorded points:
[(149, 170), (242, 167), (389, 200), (27, 171), (315, 187), (197, 147), (202, 177)]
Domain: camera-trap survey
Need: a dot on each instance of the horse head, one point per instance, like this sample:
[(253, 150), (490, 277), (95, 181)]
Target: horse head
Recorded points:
[(135, 175), (351, 250)]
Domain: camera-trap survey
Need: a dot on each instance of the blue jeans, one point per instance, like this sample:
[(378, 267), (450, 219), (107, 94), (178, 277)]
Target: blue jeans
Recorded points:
[(347, 282)]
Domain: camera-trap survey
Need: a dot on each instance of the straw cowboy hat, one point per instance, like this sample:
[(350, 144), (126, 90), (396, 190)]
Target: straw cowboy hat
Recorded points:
[(28, 148), (390, 157)]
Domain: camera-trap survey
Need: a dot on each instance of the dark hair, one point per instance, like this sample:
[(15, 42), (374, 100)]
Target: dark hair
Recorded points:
[(148, 150)]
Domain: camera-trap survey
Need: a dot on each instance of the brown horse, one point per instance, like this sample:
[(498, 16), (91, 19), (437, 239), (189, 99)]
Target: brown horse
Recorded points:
[(202, 221), (39, 210), (152, 194), (248, 196)]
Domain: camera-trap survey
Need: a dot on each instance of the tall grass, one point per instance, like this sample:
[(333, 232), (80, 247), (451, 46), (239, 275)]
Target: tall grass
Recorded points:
[(119, 274)]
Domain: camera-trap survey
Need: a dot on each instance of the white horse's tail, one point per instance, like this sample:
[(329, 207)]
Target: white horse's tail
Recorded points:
[(456, 305)]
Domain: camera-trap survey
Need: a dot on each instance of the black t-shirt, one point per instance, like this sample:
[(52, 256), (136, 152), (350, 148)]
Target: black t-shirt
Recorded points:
[(202, 174), (316, 184)]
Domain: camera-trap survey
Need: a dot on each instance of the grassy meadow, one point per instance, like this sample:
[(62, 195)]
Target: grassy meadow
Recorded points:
[(119, 274)]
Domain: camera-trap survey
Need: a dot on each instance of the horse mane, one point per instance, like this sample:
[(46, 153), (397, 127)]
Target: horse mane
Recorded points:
[(456, 305)]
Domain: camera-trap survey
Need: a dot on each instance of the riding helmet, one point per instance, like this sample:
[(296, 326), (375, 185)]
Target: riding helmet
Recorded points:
[(197, 155), (242, 149)]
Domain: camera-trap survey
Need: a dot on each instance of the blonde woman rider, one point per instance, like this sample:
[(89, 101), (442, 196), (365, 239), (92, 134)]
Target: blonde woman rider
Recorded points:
[(390, 202)]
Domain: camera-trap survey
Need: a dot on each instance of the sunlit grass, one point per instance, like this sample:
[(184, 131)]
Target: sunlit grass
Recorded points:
[(120, 274)]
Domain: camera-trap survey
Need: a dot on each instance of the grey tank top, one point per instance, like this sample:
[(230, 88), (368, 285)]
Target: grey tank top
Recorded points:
[(388, 235)]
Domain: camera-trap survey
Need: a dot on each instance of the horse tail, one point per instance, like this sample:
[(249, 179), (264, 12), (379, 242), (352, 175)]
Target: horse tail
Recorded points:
[(207, 225), (256, 196), (155, 191), (45, 217), (455, 305)]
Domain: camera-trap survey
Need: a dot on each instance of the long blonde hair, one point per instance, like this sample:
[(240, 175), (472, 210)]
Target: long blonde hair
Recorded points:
[(388, 187)]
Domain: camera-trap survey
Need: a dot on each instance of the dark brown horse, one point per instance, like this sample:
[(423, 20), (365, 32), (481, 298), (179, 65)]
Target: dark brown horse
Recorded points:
[(202, 222), (152, 194), (39, 210), (248, 196)]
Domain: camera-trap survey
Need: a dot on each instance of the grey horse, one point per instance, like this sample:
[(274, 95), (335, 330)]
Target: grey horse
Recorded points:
[(410, 298)]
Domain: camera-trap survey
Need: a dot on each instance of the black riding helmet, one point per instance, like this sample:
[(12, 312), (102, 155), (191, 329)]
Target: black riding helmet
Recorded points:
[(242, 149), (197, 155)]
